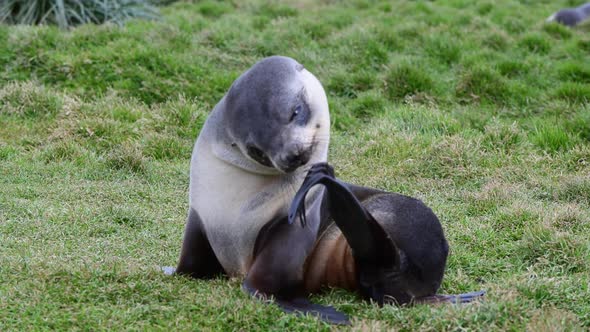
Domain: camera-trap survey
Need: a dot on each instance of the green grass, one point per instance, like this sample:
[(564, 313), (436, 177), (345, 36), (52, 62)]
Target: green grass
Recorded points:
[(478, 108)]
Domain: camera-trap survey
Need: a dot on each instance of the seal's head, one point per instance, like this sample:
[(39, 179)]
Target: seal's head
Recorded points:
[(277, 116)]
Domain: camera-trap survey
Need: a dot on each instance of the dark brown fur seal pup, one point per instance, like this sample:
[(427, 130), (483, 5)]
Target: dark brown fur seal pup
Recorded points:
[(388, 247)]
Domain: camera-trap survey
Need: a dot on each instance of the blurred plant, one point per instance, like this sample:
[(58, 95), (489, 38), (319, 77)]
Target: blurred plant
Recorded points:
[(66, 13), (162, 2)]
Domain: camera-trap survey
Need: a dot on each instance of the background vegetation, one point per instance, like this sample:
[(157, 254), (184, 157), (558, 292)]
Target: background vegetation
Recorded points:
[(67, 13), (478, 108)]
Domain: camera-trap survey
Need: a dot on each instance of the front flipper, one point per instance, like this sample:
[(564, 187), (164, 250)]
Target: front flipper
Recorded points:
[(197, 258), (302, 306)]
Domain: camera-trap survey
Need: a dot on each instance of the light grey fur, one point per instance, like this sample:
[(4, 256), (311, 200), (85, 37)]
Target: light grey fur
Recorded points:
[(234, 195)]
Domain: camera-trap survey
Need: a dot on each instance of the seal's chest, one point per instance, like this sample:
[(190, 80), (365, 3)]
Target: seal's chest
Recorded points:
[(232, 218), (233, 240)]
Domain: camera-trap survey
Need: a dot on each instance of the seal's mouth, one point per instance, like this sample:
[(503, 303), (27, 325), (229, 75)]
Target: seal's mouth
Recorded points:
[(286, 163), (290, 162), (258, 155)]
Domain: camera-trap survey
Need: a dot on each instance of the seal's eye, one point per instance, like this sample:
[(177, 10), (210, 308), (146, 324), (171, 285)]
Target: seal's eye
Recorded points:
[(296, 112)]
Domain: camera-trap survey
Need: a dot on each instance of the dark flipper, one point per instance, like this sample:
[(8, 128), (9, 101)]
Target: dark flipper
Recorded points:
[(197, 258), (302, 306), (373, 250), (355, 222)]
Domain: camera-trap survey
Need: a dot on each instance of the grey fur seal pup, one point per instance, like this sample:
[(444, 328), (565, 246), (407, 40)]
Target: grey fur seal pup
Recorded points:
[(247, 164), (571, 16), (249, 183)]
